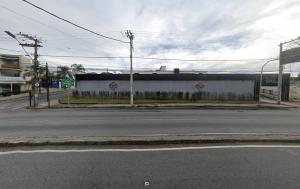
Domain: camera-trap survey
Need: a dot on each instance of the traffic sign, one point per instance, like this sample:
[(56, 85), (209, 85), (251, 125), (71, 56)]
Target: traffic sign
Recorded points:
[(67, 83)]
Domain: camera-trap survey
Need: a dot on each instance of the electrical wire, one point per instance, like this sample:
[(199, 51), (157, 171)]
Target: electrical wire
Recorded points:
[(154, 58), (72, 23), (202, 60), (32, 19), (88, 57), (41, 23), (146, 58)]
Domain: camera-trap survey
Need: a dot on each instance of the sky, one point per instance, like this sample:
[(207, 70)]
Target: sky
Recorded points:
[(168, 29)]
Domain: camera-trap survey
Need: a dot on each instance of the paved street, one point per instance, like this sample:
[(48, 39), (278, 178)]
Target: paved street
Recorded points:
[(199, 168), (116, 122), (23, 102)]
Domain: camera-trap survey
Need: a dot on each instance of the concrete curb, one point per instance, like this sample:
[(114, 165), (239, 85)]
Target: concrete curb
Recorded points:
[(149, 140), (183, 106)]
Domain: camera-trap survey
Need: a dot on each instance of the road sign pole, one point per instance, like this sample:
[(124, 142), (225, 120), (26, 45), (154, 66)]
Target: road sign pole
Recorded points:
[(30, 97), (279, 89), (48, 85), (68, 97)]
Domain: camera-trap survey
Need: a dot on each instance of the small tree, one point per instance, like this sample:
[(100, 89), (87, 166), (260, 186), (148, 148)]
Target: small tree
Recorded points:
[(63, 72), (77, 68), (28, 76)]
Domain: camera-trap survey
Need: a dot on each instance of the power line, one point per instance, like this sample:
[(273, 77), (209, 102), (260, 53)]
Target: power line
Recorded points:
[(154, 58), (88, 57), (29, 18), (72, 23), (145, 58), (43, 24), (202, 60)]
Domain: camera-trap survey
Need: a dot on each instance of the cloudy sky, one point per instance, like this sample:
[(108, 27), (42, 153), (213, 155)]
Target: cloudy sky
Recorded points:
[(183, 29)]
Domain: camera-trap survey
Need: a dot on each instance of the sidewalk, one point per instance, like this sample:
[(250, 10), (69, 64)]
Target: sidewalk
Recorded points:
[(183, 105), (290, 103), (150, 140)]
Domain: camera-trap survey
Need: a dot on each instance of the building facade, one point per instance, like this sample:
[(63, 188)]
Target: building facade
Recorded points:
[(12, 70), (176, 86)]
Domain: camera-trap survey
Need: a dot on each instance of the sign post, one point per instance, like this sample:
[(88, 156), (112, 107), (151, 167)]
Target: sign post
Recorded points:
[(68, 83), (280, 75)]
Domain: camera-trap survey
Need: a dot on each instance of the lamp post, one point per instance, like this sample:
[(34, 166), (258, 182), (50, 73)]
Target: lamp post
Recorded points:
[(14, 37), (261, 78), (34, 60)]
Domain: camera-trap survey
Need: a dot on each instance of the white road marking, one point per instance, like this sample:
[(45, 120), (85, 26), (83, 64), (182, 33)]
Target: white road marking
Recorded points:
[(147, 149)]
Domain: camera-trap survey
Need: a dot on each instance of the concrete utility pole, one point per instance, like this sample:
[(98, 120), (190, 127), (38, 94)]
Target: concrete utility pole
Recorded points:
[(35, 68), (47, 83), (130, 35), (36, 79), (280, 75), (35, 44)]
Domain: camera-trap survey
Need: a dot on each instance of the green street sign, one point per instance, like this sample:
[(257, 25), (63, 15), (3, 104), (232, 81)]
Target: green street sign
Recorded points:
[(67, 83)]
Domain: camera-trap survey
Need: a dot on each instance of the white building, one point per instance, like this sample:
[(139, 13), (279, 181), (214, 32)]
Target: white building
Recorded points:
[(12, 70)]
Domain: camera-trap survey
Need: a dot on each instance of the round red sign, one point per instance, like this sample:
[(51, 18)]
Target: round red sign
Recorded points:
[(113, 85), (200, 85)]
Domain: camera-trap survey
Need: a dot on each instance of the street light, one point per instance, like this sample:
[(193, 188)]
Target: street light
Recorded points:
[(10, 34), (14, 37), (28, 54), (261, 77)]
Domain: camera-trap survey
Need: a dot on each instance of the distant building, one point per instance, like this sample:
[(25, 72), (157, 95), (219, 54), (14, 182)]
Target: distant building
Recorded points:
[(178, 85), (12, 70)]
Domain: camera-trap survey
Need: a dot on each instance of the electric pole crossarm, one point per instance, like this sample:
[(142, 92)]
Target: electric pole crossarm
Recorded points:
[(30, 45)]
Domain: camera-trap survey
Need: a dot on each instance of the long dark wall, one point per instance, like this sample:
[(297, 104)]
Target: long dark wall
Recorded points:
[(268, 79)]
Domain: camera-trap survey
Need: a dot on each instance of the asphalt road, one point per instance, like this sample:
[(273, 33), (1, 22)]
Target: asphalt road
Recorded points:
[(23, 102), (116, 122), (245, 168)]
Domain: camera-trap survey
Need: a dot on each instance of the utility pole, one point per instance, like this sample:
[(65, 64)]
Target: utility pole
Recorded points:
[(280, 75), (36, 79), (35, 44), (130, 35), (35, 67), (47, 83)]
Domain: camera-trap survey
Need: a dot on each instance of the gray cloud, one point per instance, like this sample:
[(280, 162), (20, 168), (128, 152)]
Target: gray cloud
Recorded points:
[(215, 29)]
